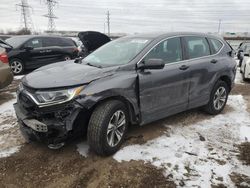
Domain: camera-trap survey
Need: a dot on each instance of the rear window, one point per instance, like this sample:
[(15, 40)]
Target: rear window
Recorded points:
[(216, 45), (197, 47)]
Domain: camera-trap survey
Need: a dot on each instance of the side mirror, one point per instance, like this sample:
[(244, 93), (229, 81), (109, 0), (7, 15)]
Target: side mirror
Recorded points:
[(28, 48), (152, 64)]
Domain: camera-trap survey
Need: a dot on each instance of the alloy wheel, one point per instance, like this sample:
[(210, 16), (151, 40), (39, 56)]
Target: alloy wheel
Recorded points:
[(16, 67), (116, 128), (220, 97)]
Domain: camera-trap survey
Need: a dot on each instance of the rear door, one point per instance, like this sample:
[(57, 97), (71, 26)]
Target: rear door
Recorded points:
[(164, 92), (203, 66), (53, 45)]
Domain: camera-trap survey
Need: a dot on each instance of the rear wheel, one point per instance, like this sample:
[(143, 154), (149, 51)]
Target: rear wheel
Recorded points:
[(107, 127), (16, 66), (218, 98), (66, 58)]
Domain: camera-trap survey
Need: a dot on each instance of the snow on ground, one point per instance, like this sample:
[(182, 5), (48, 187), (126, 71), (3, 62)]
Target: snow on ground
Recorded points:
[(200, 154), (10, 137), (83, 148), (18, 77), (238, 77)]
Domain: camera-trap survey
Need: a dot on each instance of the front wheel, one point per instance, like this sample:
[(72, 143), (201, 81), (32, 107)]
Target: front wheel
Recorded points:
[(107, 127), (218, 98)]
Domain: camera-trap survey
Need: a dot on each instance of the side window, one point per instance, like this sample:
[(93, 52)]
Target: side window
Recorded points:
[(50, 42), (66, 42), (216, 45), (197, 47), (169, 51), (34, 43)]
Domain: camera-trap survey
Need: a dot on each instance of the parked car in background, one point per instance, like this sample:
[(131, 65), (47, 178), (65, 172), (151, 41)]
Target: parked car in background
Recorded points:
[(91, 40), (132, 80), (78, 43), (243, 50), (34, 51), (6, 75), (245, 66)]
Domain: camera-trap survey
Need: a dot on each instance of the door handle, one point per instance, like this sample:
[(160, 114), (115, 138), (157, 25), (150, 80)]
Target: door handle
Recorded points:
[(42, 51), (183, 67), (213, 61)]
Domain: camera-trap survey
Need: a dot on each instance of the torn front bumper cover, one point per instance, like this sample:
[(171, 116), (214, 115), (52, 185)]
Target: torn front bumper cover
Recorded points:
[(50, 127)]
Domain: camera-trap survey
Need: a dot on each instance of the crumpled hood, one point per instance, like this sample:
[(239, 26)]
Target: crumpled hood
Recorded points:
[(64, 74)]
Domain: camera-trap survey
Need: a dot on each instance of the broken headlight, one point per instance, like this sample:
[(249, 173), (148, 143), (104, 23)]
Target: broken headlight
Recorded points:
[(44, 98)]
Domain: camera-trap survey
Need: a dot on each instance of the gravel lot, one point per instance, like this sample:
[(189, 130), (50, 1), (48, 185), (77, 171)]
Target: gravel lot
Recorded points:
[(190, 149)]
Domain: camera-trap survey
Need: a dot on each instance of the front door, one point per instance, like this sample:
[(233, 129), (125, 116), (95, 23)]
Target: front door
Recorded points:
[(37, 54), (164, 92)]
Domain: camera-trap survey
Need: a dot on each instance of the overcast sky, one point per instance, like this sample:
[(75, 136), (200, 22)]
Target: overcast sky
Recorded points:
[(131, 16)]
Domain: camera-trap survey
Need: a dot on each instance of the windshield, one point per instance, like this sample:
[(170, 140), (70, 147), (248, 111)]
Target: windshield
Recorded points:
[(16, 41), (117, 52)]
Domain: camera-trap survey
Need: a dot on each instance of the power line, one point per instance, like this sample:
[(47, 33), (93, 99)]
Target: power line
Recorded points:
[(51, 16), (26, 22)]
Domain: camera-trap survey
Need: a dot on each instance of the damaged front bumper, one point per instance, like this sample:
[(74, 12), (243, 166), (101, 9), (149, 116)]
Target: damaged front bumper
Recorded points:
[(51, 125)]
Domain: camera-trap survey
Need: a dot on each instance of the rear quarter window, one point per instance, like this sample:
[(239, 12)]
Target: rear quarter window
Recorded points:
[(197, 46), (66, 42), (216, 45)]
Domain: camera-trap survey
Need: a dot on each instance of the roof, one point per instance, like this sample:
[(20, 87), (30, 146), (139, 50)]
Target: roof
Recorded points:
[(160, 35), (32, 36)]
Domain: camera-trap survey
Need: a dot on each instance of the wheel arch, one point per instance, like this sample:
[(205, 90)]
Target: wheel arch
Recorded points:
[(227, 80), (130, 107)]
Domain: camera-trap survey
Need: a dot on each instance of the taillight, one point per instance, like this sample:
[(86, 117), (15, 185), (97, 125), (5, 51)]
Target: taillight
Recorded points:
[(76, 50), (4, 57)]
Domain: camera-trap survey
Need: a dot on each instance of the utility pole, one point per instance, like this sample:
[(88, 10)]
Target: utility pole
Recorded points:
[(219, 26), (26, 22), (50, 15), (108, 23)]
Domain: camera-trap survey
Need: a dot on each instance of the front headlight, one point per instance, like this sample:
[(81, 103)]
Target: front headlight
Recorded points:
[(58, 96)]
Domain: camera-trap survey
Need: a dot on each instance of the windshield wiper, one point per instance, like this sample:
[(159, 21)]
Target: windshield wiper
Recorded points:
[(98, 66)]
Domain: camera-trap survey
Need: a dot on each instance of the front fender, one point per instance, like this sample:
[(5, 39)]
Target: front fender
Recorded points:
[(123, 85)]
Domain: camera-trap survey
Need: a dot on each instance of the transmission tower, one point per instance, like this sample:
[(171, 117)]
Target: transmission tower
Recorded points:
[(26, 22), (51, 23)]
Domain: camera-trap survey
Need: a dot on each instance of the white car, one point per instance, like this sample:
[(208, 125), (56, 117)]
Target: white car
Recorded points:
[(245, 68)]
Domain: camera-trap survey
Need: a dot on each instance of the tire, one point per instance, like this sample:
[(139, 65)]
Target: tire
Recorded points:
[(66, 58), (102, 119), (213, 107), (17, 66)]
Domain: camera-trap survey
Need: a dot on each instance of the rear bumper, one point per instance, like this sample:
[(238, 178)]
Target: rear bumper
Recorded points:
[(46, 127), (6, 76)]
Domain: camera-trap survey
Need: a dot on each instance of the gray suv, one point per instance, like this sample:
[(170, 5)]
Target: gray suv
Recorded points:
[(133, 80)]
